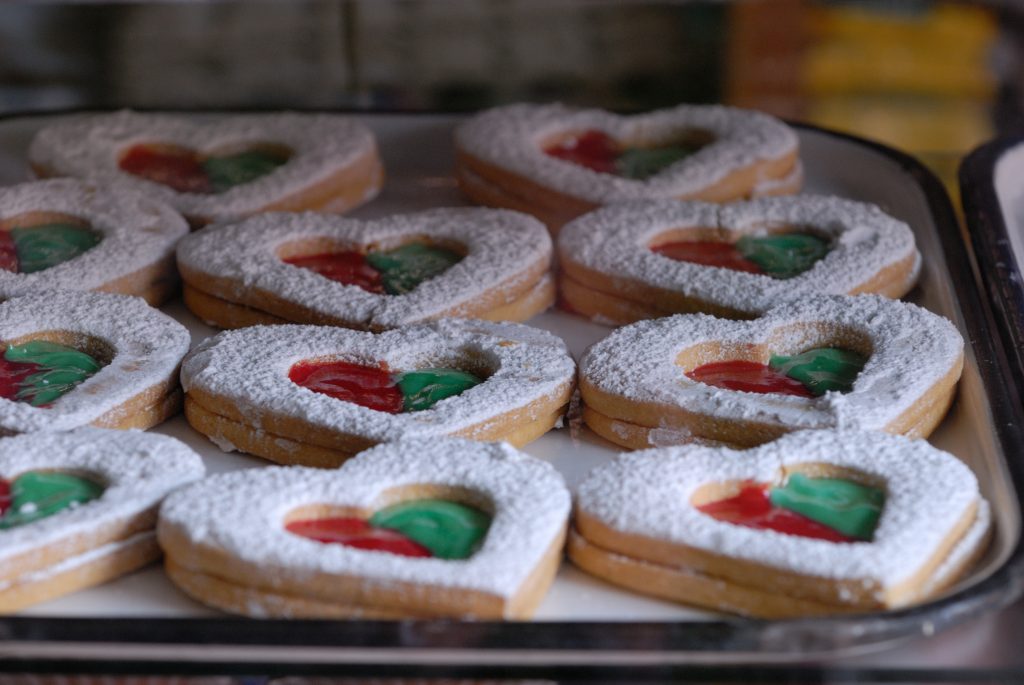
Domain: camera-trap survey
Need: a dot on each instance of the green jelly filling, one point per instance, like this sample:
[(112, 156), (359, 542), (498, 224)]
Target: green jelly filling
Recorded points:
[(234, 170), (47, 245), (850, 508), (38, 494), (822, 369), (423, 389), (785, 255), (405, 267), (62, 368), (448, 529), (642, 163)]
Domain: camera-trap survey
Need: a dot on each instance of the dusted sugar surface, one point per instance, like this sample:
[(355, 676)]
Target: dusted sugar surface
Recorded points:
[(249, 368), (137, 470), (91, 147), (514, 137), (919, 514), (135, 232), (911, 350), (864, 240), (527, 498), (147, 345), (500, 247)]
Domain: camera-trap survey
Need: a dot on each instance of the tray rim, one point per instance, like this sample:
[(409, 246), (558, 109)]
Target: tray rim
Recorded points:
[(501, 647)]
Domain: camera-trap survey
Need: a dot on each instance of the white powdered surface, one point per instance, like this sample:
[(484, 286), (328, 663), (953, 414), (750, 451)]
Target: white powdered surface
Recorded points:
[(911, 350), (616, 241), (148, 347), (249, 368), (135, 231), (513, 137), (137, 469), (648, 493), (91, 147), (243, 513), (499, 247)]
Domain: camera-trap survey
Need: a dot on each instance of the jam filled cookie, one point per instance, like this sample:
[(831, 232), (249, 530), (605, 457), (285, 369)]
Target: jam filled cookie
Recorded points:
[(75, 235), (221, 170), (317, 395), (72, 358), (654, 258), (419, 527), (817, 522), (309, 268), (859, 362), (79, 508), (557, 163)]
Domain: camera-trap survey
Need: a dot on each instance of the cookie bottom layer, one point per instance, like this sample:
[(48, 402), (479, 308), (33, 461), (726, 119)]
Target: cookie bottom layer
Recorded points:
[(144, 416), (90, 568)]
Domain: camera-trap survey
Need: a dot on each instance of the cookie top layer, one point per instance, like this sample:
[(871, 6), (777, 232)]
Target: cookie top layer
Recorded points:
[(242, 262), (649, 493), (136, 231), (526, 497), (91, 147), (136, 469), (616, 241), (513, 138), (146, 347), (249, 369), (910, 350)]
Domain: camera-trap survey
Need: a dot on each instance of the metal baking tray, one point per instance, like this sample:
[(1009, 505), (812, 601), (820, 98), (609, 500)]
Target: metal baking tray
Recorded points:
[(583, 624)]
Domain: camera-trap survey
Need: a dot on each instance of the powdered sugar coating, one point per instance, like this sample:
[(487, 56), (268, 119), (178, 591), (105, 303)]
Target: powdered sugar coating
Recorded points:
[(136, 231), (513, 137), (500, 246), (137, 470), (527, 499), (911, 350), (147, 348), (928, 492), (616, 241), (91, 147), (249, 369)]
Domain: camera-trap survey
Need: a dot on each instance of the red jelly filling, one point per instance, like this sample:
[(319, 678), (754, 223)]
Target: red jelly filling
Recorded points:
[(179, 169), (348, 268), (752, 508), (354, 532), (6, 498), (592, 149), (363, 385), (708, 253), (748, 377), (13, 375), (8, 252)]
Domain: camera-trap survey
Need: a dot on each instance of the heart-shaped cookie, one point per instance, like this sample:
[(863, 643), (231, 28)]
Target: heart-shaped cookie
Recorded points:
[(692, 523), (418, 527), (72, 358), (557, 163), (79, 508), (654, 258), (221, 170), (695, 377), (309, 268), (75, 235), (317, 395)]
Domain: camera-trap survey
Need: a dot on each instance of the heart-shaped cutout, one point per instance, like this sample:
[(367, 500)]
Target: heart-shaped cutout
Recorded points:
[(79, 507), (649, 259), (242, 391), (669, 522), (222, 170), (504, 512), (642, 385), (373, 275), (558, 163), (76, 358), (77, 236)]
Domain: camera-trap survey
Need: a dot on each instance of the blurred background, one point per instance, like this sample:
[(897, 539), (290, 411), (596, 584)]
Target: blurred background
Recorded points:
[(935, 78)]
